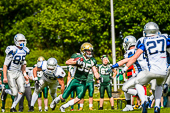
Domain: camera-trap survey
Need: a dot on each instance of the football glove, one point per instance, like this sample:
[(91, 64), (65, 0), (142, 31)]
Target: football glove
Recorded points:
[(37, 84), (111, 77), (79, 62), (122, 71)]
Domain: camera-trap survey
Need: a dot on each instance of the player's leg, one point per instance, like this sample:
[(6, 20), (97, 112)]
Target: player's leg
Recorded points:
[(42, 84), (82, 100), (109, 93), (71, 87), (21, 107), (28, 95), (80, 88), (45, 94), (40, 101), (15, 79), (3, 103), (102, 91), (72, 97), (158, 91), (91, 91)]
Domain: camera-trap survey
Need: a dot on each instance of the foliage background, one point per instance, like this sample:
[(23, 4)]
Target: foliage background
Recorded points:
[(57, 28)]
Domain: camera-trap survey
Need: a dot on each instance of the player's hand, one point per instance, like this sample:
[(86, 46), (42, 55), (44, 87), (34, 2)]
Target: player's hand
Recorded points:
[(125, 80), (109, 70), (5, 80), (79, 62), (111, 77), (37, 84), (101, 79), (26, 77)]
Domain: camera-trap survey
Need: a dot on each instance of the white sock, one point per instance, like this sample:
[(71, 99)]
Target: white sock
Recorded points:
[(69, 103), (127, 96), (152, 97), (90, 105), (8, 91), (57, 98), (34, 98), (81, 105), (132, 92), (141, 93), (158, 94), (39, 107), (46, 107), (16, 100)]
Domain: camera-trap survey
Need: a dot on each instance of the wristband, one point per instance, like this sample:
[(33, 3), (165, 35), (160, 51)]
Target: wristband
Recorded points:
[(35, 78), (125, 68), (115, 65), (25, 74)]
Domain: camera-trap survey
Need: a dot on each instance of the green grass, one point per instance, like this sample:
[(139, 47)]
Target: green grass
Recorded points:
[(107, 107)]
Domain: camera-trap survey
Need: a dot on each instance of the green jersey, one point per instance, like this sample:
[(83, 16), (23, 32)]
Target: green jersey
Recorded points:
[(105, 76), (90, 77), (82, 72)]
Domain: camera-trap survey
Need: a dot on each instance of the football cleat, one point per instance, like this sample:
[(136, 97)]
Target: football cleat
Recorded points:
[(62, 109), (128, 108), (101, 108), (145, 106), (40, 110), (13, 110), (72, 110), (3, 110), (156, 109), (91, 108), (46, 110), (31, 109)]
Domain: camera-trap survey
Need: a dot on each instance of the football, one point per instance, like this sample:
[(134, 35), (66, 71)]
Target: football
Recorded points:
[(81, 59)]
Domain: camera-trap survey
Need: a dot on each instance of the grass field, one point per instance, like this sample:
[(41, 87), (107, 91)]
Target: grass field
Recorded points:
[(106, 106)]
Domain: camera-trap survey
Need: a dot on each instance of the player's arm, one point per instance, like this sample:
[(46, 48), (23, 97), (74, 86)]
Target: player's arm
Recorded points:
[(120, 63), (23, 68), (134, 58), (8, 60), (61, 82), (69, 76), (71, 62), (5, 74), (95, 72), (115, 73), (35, 70)]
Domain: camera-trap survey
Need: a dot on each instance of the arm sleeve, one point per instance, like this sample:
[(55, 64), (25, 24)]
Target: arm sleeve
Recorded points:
[(8, 59)]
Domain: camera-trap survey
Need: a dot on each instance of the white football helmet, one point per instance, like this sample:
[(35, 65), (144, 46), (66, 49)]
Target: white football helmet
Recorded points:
[(51, 63), (128, 42), (150, 29), (20, 37)]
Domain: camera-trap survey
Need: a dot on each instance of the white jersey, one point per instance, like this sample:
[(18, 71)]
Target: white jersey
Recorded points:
[(15, 57), (140, 64), (155, 48), (53, 75)]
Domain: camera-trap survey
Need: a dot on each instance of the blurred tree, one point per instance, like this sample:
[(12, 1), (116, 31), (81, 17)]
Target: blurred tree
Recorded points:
[(63, 25)]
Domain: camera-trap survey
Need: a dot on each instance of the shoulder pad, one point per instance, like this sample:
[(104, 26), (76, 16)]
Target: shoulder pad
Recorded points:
[(11, 50), (26, 50)]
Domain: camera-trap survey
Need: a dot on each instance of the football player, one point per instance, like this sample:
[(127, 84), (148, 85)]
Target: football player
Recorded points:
[(27, 93), (90, 87), (140, 64), (14, 69), (5, 86), (79, 82), (44, 91), (105, 82), (52, 75), (155, 45)]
